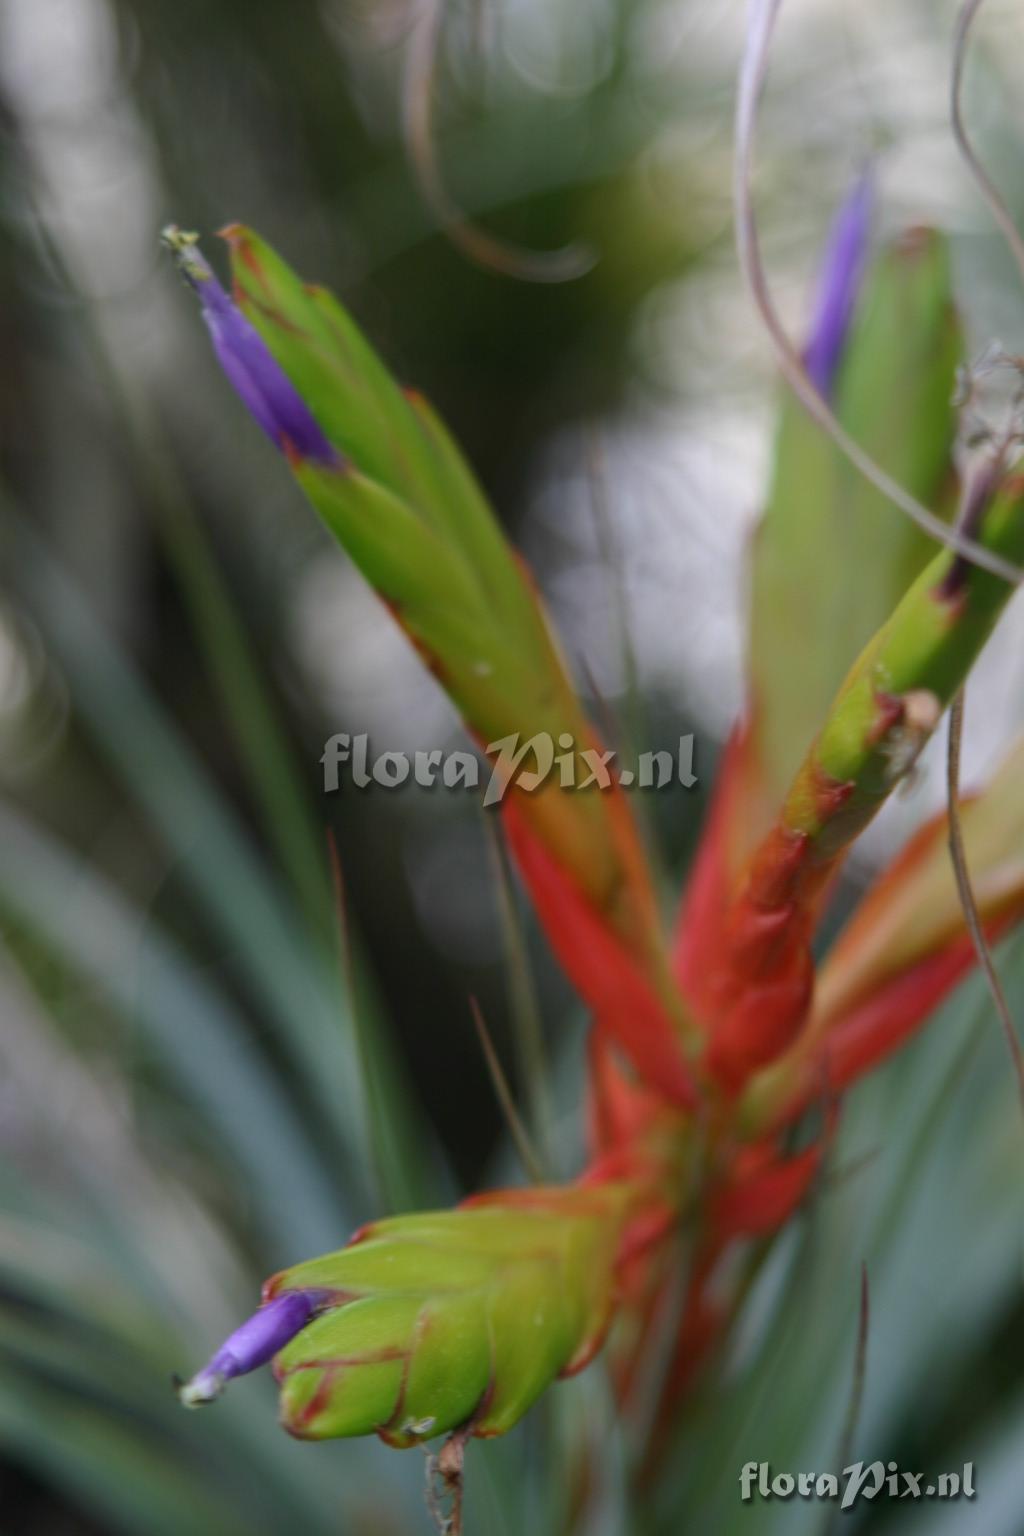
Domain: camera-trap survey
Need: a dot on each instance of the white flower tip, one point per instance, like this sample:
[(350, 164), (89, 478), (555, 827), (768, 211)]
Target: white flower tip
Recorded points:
[(202, 1389)]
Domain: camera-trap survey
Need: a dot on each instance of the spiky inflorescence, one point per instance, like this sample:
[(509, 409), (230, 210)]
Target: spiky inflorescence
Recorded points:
[(430, 1322)]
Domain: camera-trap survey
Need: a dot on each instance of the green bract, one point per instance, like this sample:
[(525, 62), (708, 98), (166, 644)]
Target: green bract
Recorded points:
[(408, 510), (925, 650), (451, 1316), (406, 507)]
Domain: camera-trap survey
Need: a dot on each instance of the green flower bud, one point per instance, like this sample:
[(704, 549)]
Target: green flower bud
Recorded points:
[(443, 1318)]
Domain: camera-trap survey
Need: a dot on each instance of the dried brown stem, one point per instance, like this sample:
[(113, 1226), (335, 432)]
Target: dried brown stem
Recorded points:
[(446, 1482), (517, 1130)]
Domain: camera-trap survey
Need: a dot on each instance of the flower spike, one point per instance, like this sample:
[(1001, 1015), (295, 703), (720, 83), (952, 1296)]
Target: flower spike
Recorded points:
[(455, 1321), (428, 1322), (256, 376), (830, 561), (879, 722), (403, 503), (839, 285)]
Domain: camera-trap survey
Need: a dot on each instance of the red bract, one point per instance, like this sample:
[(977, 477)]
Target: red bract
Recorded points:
[(607, 977)]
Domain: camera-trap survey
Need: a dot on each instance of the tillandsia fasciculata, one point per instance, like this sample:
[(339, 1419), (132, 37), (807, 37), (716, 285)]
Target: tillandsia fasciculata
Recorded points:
[(718, 1055)]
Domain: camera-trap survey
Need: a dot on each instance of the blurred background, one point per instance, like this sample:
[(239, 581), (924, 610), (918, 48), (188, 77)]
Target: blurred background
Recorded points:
[(200, 1081)]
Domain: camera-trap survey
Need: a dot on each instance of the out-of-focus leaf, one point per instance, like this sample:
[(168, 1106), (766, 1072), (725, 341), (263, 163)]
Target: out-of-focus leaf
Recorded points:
[(995, 1451), (200, 1040), (112, 1465), (287, 971)]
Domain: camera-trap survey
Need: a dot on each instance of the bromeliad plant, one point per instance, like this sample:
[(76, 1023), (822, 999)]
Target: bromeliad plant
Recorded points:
[(717, 1056)]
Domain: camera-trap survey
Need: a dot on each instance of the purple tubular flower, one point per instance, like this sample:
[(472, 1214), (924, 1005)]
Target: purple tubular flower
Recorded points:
[(255, 374), (839, 285), (252, 1345)]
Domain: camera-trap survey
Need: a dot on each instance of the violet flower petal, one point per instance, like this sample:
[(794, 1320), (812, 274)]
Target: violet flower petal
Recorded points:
[(255, 374), (839, 285), (259, 1338)]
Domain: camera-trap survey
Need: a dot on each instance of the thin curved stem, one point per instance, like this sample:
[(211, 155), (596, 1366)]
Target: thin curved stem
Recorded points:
[(486, 250), (760, 27), (965, 890), (986, 186)]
